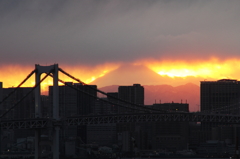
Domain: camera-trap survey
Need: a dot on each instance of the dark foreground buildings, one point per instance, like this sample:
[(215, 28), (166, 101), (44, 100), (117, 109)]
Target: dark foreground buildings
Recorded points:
[(216, 97), (24, 110), (133, 94), (172, 136), (221, 97)]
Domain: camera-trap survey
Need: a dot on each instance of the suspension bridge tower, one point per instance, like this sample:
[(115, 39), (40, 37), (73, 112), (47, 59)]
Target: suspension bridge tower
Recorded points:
[(52, 69)]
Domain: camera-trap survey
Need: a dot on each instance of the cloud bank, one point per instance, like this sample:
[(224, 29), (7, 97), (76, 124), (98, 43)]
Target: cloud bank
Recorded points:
[(94, 32)]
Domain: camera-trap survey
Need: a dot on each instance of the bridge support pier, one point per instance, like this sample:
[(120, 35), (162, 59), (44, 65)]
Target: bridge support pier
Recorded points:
[(38, 114)]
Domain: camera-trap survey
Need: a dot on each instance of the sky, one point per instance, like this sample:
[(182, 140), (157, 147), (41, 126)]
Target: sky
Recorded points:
[(92, 38)]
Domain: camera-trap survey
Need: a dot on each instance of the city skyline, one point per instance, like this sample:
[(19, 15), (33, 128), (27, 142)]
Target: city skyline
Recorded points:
[(173, 42)]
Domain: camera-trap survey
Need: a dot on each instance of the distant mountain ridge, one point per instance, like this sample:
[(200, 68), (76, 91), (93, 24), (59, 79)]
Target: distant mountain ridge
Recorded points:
[(157, 88), (129, 74), (187, 93)]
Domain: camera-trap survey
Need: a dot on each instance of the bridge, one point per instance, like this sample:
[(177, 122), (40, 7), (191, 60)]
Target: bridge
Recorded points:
[(141, 113), (43, 123)]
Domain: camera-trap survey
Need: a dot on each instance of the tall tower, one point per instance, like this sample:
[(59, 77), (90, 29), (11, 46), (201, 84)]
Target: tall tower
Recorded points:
[(220, 97), (133, 94)]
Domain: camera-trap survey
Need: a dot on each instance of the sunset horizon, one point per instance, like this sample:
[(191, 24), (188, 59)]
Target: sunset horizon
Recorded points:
[(173, 73), (145, 73)]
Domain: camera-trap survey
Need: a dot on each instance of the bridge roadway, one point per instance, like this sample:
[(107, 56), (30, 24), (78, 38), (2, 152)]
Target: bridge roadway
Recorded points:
[(41, 123)]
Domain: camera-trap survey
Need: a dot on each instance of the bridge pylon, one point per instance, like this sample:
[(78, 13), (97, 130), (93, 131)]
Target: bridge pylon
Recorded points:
[(38, 71)]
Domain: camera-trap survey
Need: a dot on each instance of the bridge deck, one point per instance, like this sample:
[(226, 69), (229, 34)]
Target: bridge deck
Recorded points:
[(39, 123)]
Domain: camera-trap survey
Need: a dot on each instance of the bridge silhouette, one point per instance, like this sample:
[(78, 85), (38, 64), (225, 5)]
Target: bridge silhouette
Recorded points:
[(137, 113)]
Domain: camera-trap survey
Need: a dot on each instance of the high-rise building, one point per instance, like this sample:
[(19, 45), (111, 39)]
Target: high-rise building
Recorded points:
[(73, 102), (67, 100), (86, 98), (128, 131), (25, 109), (220, 96), (133, 94)]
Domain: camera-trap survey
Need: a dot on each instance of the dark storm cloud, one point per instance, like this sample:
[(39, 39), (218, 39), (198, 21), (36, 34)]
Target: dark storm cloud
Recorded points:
[(93, 31)]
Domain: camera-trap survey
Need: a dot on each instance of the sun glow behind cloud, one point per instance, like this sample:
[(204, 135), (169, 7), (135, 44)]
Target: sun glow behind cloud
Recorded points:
[(213, 68), (13, 75)]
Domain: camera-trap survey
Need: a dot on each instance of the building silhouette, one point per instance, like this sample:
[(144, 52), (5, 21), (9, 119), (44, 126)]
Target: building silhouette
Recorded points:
[(72, 103), (221, 97), (133, 94), (23, 110)]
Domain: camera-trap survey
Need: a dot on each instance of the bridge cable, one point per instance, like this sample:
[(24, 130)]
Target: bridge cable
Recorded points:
[(14, 90), (98, 97), (19, 101), (119, 99)]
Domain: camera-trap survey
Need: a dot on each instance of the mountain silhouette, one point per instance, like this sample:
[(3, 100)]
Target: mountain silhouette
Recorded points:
[(131, 74), (157, 88)]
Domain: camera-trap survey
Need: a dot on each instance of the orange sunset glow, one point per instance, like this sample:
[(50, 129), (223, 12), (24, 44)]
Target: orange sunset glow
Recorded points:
[(12, 75), (213, 68)]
